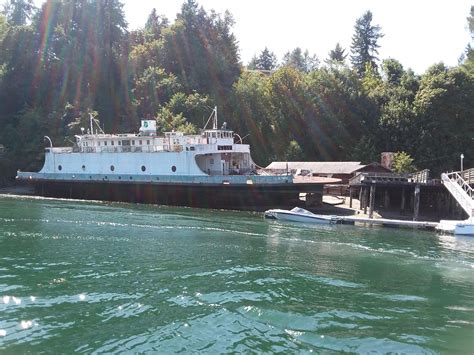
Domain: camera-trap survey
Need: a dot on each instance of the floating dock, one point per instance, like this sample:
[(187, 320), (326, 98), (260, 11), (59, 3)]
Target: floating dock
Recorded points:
[(387, 222)]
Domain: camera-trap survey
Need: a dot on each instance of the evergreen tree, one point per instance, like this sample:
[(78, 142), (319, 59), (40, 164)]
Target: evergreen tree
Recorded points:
[(364, 46), (304, 62), (265, 61), (469, 54), (337, 55), (18, 12), (202, 51), (392, 71), (155, 25)]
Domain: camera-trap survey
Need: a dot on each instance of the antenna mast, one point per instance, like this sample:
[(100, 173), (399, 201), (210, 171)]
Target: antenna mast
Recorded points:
[(96, 121), (215, 118), (212, 116)]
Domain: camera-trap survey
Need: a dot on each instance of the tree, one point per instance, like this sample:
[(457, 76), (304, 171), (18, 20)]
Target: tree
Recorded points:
[(336, 55), (403, 163), (392, 71), (202, 51), (155, 25), (444, 111), (469, 53), (265, 61), (304, 62), (18, 12), (153, 88), (286, 91), (252, 115), (364, 46), (293, 151)]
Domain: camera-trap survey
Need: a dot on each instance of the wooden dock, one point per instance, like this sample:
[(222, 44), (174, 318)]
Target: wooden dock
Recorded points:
[(387, 222)]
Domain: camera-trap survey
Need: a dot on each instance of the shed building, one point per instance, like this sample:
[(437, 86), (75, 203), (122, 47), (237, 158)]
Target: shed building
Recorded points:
[(343, 170)]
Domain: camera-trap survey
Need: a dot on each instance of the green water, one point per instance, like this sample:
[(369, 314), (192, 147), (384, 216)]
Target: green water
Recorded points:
[(111, 278)]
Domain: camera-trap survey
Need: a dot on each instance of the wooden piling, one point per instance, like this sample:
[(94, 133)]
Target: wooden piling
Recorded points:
[(416, 203), (372, 201), (386, 200), (366, 197), (350, 197), (402, 207)]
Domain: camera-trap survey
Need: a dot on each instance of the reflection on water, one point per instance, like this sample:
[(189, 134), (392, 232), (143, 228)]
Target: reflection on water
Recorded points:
[(99, 277)]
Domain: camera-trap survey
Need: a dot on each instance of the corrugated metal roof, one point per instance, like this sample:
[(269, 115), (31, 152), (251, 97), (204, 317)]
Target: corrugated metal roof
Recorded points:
[(324, 167)]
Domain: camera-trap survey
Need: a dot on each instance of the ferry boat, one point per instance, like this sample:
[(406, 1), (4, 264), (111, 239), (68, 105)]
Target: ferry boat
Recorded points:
[(212, 169)]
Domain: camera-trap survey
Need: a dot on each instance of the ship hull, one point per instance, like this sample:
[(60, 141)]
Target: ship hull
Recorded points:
[(253, 197)]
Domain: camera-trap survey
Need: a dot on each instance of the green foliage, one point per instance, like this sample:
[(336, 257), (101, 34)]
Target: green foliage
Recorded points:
[(444, 110), (293, 151), (337, 55), (167, 121), (469, 54), (392, 71), (303, 62), (154, 26), (365, 151), (403, 163), (202, 51), (153, 88), (265, 61), (18, 12), (52, 77), (252, 115), (364, 46)]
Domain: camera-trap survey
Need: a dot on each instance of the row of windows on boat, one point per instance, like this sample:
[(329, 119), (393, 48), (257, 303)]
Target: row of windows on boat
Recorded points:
[(140, 142), (124, 142), (219, 134), (112, 168)]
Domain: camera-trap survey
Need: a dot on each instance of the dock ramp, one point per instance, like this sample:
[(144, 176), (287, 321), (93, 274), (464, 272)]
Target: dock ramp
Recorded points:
[(458, 184)]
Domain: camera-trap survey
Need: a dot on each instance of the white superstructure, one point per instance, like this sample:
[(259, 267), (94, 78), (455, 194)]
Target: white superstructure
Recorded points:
[(212, 152)]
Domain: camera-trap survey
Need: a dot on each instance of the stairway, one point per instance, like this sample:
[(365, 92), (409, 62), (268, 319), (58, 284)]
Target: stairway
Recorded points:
[(461, 190)]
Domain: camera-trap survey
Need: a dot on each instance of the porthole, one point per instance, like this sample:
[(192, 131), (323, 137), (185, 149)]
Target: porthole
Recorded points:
[(143, 168), (60, 167), (173, 168), (112, 168), (83, 167)]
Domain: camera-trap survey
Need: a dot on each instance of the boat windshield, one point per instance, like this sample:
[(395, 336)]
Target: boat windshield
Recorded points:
[(301, 211)]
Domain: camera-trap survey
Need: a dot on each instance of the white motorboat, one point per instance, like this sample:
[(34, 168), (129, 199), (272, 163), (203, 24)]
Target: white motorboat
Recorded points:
[(457, 227), (298, 214)]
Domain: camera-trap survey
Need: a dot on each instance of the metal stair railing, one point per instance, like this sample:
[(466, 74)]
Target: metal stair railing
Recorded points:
[(460, 190)]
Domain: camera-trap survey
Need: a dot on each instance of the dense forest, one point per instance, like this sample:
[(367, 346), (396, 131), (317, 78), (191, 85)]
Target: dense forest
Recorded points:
[(70, 58)]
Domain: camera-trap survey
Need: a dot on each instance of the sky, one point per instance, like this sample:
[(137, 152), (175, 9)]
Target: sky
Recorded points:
[(418, 33)]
